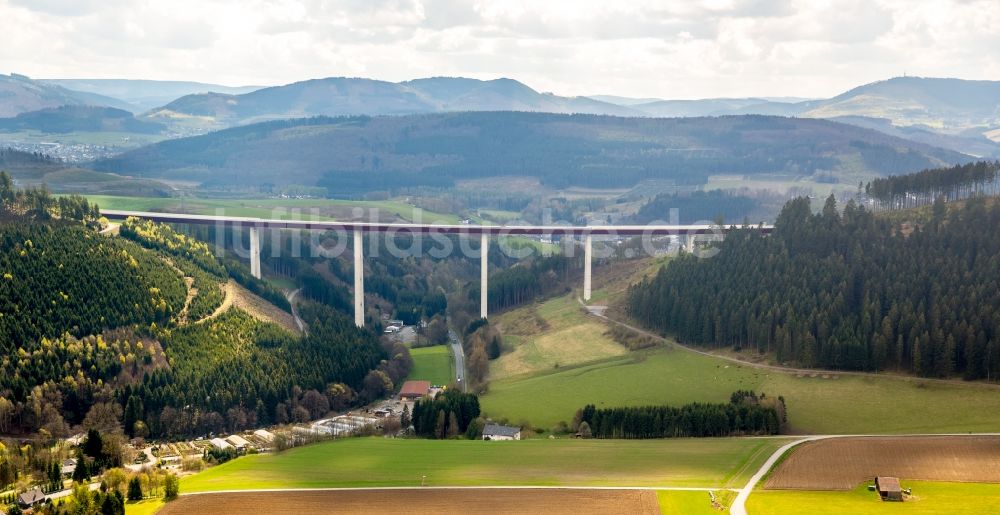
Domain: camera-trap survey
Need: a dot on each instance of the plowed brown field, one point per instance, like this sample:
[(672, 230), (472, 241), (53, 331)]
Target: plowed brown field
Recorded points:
[(419, 501), (843, 463)]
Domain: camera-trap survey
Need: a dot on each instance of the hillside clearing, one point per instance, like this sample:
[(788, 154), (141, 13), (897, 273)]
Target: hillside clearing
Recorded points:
[(550, 335), (259, 308)]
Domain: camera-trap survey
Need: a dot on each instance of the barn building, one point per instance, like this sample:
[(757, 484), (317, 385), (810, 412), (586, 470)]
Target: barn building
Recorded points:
[(888, 488), (414, 389)]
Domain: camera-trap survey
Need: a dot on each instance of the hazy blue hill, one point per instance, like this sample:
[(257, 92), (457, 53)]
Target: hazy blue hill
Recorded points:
[(318, 97), (970, 142), (349, 155), (20, 94), (339, 96), (461, 94), (146, 94), (623, 101), (71, 118), (950, 105), (707, 107)]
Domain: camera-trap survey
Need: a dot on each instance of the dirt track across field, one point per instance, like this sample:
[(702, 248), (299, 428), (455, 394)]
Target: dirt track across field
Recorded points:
[(417, 501), (843, 463)]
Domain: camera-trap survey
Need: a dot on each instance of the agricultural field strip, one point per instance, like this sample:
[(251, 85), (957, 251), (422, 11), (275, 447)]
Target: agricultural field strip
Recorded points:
[(498, 487), (739, 504)]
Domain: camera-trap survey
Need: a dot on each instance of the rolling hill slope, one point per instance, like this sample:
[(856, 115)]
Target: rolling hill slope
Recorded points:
[(70, 118), (361, 154), (20, 94)]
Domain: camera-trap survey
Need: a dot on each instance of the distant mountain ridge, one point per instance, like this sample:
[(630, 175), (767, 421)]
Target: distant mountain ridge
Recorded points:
[(961, 115), (20, 94), (341, 96), (951, 113), (145, 94)]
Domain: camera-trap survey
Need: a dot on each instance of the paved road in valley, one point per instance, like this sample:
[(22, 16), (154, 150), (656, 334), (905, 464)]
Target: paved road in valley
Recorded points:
[(459, 353)]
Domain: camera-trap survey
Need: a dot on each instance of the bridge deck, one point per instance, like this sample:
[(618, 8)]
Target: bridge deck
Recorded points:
[(499, 230)]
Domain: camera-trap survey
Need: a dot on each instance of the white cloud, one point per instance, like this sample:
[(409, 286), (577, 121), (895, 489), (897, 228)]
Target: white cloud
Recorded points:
[(641, 48)]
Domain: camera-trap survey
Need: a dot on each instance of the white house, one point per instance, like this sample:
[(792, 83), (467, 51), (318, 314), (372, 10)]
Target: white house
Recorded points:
[(498, 432)]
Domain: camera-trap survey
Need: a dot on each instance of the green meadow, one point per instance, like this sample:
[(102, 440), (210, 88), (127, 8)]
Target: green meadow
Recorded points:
[(820, 403), (434, 364), (363, 462), (826, 403)]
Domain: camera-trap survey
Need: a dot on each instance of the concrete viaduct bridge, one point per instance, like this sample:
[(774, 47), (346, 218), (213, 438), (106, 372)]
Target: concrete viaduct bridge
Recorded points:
[(484, 232)]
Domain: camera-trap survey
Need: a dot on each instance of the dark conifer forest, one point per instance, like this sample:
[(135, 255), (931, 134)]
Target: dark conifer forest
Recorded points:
[(844, 290)]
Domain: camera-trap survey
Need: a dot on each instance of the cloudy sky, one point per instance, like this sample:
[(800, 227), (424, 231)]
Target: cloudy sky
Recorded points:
[(666, 48)]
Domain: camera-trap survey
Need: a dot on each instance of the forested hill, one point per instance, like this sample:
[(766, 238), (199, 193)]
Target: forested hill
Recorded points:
[(349, 155), (844, 291), (97, 329)]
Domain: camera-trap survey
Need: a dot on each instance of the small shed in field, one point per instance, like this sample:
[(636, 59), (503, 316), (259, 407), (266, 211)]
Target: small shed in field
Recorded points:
[(888, 488)]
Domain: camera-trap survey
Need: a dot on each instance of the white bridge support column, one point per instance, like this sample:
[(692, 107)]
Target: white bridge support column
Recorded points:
[(689, 242), (588, 257), (255, 252), (359, 280), (484, 272)]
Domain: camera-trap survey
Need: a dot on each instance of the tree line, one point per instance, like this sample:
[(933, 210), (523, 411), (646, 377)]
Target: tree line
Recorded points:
[(958, 182), (746, 414), (847, 290), (445, 416)]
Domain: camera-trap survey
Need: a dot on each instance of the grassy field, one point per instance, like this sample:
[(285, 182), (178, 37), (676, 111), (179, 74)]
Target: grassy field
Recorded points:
[(147, 507), (305, 209), (828, 403), (928, 498), (525, 385), (550, 335), (361, 462), (434, 364)]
